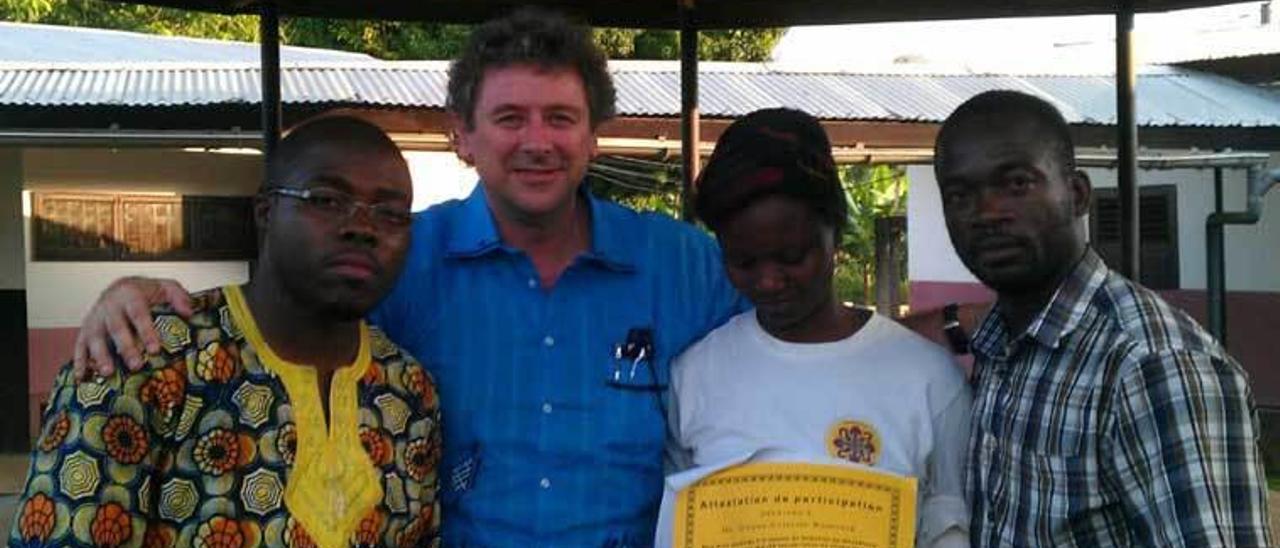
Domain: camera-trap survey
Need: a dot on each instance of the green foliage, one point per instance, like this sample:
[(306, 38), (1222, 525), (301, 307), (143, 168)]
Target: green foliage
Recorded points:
[(113, 15), (643, 185), (618, 43), (656, 44), (382, 39), (738, 44), (713, 45), (872, 192), (25, 10)]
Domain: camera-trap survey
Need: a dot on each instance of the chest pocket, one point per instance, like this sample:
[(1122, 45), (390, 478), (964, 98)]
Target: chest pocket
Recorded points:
[(1041, 445), (1066, 488), (632, 374), (1038, 415)]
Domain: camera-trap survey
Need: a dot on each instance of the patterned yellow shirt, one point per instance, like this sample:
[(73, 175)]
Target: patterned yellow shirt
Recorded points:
[(219, 442)]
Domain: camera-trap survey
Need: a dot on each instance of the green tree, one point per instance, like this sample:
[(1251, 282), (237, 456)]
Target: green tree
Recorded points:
[(643, 185), (395, 40), (146, 19), (713, 45), (872, 192), (382, 39)]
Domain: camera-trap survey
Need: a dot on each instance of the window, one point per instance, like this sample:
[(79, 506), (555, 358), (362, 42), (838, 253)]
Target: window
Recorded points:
[(130, 227), (1158, 228)]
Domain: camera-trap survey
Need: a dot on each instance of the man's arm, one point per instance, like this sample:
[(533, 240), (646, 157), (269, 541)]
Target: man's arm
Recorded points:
[(1183, 449), (88, 481), (944, 516), (122, 317), (676, 457)]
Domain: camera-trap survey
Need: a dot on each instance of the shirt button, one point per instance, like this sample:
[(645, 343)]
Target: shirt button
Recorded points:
[(533, 283), (545, 483), (548, 341), (546, 408)]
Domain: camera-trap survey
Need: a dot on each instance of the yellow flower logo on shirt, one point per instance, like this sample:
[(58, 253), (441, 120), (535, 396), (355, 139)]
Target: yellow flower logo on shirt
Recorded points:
[(854, 441)]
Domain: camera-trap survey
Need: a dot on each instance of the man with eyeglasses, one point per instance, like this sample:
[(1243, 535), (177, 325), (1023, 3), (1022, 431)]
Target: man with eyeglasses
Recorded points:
[(270, 414), (342, 205)]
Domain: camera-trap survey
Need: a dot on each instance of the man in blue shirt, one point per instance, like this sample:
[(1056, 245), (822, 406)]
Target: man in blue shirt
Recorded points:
[(521, 299), (548, 317)]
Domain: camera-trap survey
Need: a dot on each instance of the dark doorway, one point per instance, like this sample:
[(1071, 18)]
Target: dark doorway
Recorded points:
[(14, 436)]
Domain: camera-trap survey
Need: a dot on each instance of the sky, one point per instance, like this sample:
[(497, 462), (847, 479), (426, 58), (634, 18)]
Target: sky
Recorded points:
[(1037, 45)]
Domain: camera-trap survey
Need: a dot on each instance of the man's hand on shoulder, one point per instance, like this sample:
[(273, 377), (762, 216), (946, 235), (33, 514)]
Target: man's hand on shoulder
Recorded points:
[(122, 316)]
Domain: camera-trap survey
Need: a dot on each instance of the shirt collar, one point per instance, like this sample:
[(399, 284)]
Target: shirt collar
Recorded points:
[(1058, 318), (475, 233)]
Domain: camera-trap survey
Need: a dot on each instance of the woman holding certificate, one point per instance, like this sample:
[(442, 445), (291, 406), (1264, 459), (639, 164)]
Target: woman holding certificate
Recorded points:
[(803, 377)]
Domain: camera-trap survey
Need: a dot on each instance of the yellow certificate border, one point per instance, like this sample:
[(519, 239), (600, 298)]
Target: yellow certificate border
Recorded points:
[(895, 487)]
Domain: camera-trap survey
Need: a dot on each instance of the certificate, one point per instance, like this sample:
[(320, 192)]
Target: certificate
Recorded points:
[(780, 505)]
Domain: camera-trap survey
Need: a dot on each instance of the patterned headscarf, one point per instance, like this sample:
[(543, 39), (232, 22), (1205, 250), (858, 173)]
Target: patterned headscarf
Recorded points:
[(777, 151)]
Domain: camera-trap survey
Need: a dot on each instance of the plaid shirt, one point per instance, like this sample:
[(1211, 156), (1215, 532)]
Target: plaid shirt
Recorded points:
[(1114, 420)]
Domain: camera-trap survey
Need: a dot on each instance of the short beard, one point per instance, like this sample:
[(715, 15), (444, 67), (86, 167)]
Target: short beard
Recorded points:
[(334, 311)]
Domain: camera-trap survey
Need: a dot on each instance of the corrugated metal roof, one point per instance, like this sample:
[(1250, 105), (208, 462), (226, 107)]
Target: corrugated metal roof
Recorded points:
[(28, 42), (1165, 96), (373, 83)]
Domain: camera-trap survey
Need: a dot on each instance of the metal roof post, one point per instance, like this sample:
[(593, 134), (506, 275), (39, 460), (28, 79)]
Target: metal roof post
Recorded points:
[(1127, 143), (269, 35), (690, 134), (1215, 260)]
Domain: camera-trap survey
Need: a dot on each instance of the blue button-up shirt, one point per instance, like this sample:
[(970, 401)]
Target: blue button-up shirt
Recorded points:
[(550, 438)]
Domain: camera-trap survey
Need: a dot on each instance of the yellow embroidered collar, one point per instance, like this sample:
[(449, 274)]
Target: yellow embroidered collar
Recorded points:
[(333, 484)]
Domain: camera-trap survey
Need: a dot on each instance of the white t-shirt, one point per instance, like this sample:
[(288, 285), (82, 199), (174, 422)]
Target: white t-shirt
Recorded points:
[(883, 397)]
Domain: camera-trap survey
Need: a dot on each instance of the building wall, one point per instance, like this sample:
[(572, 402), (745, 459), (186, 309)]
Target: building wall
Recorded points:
[(1247, 268), (437, 177), (63, 291), (59, 293), (141, 170)]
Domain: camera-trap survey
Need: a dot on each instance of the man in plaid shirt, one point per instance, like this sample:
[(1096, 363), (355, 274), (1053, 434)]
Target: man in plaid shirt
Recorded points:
[(1102, 415)]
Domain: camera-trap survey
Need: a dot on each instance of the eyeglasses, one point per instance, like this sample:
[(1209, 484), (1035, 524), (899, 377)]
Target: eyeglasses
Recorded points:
[(343, 205)]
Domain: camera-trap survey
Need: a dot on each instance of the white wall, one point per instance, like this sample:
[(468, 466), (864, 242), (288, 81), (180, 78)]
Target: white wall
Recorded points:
[(930, 256), (59, 293), (1252, 252), (141, 170), (437, 177)]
